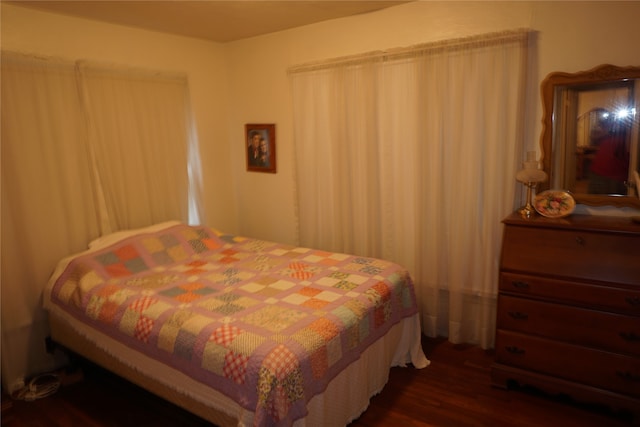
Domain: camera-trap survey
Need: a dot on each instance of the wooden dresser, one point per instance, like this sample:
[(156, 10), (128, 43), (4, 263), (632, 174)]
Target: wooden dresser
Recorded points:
[(569, 308)]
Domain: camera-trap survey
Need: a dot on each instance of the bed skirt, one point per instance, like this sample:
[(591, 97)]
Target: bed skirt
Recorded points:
[(345, 398)]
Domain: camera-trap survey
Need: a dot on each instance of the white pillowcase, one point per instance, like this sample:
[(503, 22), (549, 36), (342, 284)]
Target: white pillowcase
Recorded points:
[(115, 237)]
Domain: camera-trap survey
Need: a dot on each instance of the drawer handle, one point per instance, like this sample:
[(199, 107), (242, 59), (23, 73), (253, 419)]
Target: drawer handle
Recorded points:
[(630, 336), (580, 241), (633, 301), (628, 376), (514, 350), (520, 285), (518, 315)]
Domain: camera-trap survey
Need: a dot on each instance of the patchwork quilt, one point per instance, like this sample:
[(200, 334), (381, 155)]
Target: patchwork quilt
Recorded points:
[(267, 324)]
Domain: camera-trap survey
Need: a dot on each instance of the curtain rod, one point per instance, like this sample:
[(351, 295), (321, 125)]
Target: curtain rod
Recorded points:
[(450, 45), (93, 65)]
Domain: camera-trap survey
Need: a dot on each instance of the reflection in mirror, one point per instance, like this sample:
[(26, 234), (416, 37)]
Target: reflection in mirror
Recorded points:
[(590, 138), (600, 150)]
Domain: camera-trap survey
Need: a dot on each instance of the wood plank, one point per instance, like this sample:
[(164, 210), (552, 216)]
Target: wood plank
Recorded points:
[(455, 390)]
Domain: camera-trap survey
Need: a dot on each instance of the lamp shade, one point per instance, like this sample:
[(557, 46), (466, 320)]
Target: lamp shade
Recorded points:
[(531, 175)]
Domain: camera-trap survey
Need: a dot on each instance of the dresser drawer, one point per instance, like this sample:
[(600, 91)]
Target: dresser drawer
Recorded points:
[(613, 298), (597, 368), (591, 328), (578, 254)]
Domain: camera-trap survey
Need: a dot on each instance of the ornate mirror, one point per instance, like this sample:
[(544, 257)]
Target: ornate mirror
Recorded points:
[(590, 134)]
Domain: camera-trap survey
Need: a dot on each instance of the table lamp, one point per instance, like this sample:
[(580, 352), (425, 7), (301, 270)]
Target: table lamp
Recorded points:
[(530, 175)]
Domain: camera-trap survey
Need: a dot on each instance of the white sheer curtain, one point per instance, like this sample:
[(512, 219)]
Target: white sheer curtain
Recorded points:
[(410, 155), (47, 200), (83, 153), (338, 160), (139, 133)]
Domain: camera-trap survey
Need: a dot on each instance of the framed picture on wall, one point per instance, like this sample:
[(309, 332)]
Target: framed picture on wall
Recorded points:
[(260, 140)]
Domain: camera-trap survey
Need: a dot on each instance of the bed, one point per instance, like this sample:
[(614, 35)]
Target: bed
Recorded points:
[(239, 331)]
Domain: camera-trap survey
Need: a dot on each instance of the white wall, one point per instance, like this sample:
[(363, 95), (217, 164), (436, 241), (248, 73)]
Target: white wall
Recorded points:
[(30, 31), (572, 36)]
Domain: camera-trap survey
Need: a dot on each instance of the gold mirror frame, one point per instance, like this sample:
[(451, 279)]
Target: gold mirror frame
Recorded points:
[(604, 74)]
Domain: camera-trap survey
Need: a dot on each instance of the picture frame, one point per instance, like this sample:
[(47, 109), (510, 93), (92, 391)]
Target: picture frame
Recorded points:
[(260, 144)]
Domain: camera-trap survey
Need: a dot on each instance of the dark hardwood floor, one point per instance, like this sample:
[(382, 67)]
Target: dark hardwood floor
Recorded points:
[(455, 390)]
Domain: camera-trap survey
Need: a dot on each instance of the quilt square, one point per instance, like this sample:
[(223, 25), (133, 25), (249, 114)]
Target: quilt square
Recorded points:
[(143, 329), (107, 258), (228, 309), (122, 263), (262, 263), (268, 287), (108, 311), (225, 334), (196, 324), (187, 342), (188, 292), (152, 281), (288, 252), (153, 244), (155, 310), (300, 270), (229, 276), (256, 245), (141, 304), (311, 298), (246, 343), (198, 267), (203, 244), (126, 253), (194, 233), (213, 357), (325, 258), (129, 322), (117, 270), (274, 318), (177, 253), (135, 265), (235, 367), (367, 265), (104, 302)]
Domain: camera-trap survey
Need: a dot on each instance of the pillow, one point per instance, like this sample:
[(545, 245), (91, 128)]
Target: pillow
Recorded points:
[(115, 237)]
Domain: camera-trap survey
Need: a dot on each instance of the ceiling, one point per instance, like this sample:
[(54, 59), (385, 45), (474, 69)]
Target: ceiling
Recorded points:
[(215, 20)]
